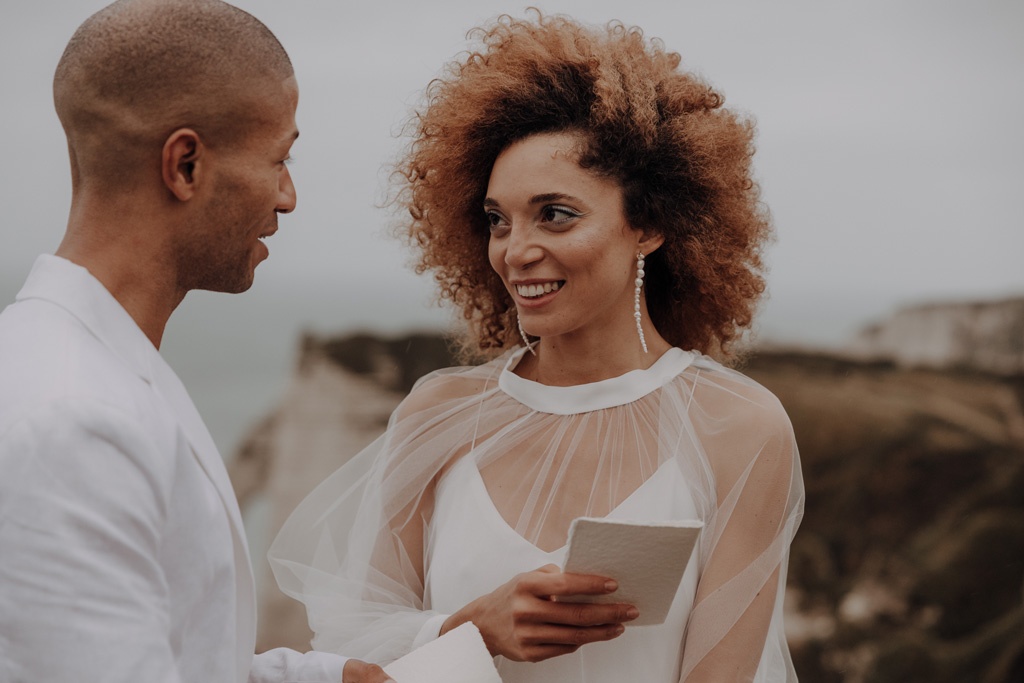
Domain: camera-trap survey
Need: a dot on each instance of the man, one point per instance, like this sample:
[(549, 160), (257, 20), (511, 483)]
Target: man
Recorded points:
[(122, 554)]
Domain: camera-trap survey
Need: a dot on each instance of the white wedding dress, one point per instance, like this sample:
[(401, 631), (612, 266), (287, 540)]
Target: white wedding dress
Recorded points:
[(473, 551), (480, 474)]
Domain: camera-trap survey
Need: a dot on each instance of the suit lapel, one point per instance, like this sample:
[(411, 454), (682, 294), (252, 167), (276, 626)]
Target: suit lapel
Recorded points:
[(73, 288), (199, 438), (205, 452)]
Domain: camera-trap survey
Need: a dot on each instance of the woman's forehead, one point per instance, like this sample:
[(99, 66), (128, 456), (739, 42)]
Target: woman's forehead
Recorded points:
[(532, 164)]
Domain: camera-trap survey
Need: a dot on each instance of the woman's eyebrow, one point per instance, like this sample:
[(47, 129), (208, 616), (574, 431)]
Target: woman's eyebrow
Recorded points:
[(536, 199), (552, 197)]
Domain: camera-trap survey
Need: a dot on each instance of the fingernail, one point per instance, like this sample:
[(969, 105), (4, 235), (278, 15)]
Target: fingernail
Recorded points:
[(611, 586), (619, 629), (632, 613)]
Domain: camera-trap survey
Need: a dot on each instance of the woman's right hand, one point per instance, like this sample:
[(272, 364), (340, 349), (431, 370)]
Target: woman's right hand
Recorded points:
[(525, 621)]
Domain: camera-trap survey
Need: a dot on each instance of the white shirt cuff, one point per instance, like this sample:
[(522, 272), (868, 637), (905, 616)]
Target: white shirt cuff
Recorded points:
[(331, 665), (281, 664)]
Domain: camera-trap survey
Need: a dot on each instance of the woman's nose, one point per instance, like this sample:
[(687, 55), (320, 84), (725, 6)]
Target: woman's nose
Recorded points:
[(521, 248)]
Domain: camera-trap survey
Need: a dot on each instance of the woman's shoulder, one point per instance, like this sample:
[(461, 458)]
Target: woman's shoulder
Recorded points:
[(729, 394), (451, 386), (738, 421)]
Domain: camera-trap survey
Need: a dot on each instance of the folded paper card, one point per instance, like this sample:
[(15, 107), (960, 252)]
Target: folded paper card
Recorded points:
[(458, 656), (646, 558)]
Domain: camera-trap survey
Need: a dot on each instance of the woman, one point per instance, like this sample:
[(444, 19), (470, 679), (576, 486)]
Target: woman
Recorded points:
[(576, 193)]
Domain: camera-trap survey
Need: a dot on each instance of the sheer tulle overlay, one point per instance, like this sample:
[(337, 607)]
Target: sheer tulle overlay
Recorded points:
[(480, 474)]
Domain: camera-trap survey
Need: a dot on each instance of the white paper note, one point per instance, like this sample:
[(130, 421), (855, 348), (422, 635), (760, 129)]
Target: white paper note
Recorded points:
[(646, 558), (458, 656)]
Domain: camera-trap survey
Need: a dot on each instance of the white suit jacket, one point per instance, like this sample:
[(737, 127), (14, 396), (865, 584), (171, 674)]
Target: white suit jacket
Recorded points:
[(122, 553)]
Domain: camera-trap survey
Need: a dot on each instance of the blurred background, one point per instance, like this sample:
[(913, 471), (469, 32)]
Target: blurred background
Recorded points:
[(890, 152)]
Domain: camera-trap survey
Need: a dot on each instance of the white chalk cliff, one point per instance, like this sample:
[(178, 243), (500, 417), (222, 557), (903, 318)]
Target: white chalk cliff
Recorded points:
[(985, 336)]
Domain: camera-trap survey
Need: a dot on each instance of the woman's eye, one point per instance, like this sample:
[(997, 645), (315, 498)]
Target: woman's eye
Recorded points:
[(495, 221), (558, 214)]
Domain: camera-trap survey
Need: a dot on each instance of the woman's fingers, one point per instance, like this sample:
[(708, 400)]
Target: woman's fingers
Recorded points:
[(568, 636), (557, 588), (532, 616), (584, 613), (543, 641), (544, 582)]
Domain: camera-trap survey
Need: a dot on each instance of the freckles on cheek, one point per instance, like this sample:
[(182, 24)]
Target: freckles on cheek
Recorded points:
[(591, 251)]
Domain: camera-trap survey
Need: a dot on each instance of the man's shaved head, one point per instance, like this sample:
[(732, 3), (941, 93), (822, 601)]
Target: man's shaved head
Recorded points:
[(138, 70)]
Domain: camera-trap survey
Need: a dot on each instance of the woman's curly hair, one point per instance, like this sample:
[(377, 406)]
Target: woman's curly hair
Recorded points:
[(683, 162)]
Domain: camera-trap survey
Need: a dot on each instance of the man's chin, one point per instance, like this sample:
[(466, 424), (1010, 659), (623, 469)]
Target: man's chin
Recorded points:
[(242, 285), (235, 285)]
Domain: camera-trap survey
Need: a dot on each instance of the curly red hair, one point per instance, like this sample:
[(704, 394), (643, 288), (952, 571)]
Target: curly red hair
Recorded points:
[(682, 160)]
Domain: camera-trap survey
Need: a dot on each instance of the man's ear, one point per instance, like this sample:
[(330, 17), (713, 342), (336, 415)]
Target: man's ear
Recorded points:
[(182, 163)]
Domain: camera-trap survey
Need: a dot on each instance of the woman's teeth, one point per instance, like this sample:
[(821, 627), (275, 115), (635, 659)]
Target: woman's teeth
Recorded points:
[(531, 291)]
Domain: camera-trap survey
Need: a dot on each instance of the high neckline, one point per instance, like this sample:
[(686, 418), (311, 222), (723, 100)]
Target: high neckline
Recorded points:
[(584, 398)]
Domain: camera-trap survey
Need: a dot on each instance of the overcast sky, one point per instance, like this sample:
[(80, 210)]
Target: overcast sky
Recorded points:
[(890, 143)]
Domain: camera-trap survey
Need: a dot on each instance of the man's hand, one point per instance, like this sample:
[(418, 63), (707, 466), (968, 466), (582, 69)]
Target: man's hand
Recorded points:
[(360, 672)]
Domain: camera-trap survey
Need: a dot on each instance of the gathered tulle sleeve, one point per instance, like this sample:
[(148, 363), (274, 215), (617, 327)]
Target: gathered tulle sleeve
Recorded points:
[(358, 550), (352, 551), (744, 440)]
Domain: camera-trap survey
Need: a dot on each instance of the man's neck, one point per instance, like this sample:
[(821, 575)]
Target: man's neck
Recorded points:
[(141, 281)]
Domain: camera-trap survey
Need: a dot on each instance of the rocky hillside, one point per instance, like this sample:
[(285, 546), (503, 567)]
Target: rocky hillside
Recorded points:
[(909, 565)]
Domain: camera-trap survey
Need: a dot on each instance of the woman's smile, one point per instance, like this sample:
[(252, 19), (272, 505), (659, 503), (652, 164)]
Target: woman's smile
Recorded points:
[(535, 291)]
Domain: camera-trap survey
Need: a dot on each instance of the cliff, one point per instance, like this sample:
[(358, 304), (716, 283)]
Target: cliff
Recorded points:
[(339, 400), (909, 565), (987, 336)]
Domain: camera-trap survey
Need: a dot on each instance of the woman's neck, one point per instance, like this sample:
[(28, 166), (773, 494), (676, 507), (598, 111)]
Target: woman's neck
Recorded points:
[(569, 360)]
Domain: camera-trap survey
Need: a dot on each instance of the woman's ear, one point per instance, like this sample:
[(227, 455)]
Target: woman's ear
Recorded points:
[(181, 163), (650, 241)]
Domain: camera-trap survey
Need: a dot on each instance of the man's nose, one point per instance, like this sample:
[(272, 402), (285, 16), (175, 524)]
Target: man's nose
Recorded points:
[(286, 199)]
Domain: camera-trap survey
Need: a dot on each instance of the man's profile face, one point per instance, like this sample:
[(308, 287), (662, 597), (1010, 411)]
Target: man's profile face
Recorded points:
[(251, 186)]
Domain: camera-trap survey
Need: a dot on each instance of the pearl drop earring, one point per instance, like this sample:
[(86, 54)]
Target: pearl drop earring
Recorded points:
[(636, 298)]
